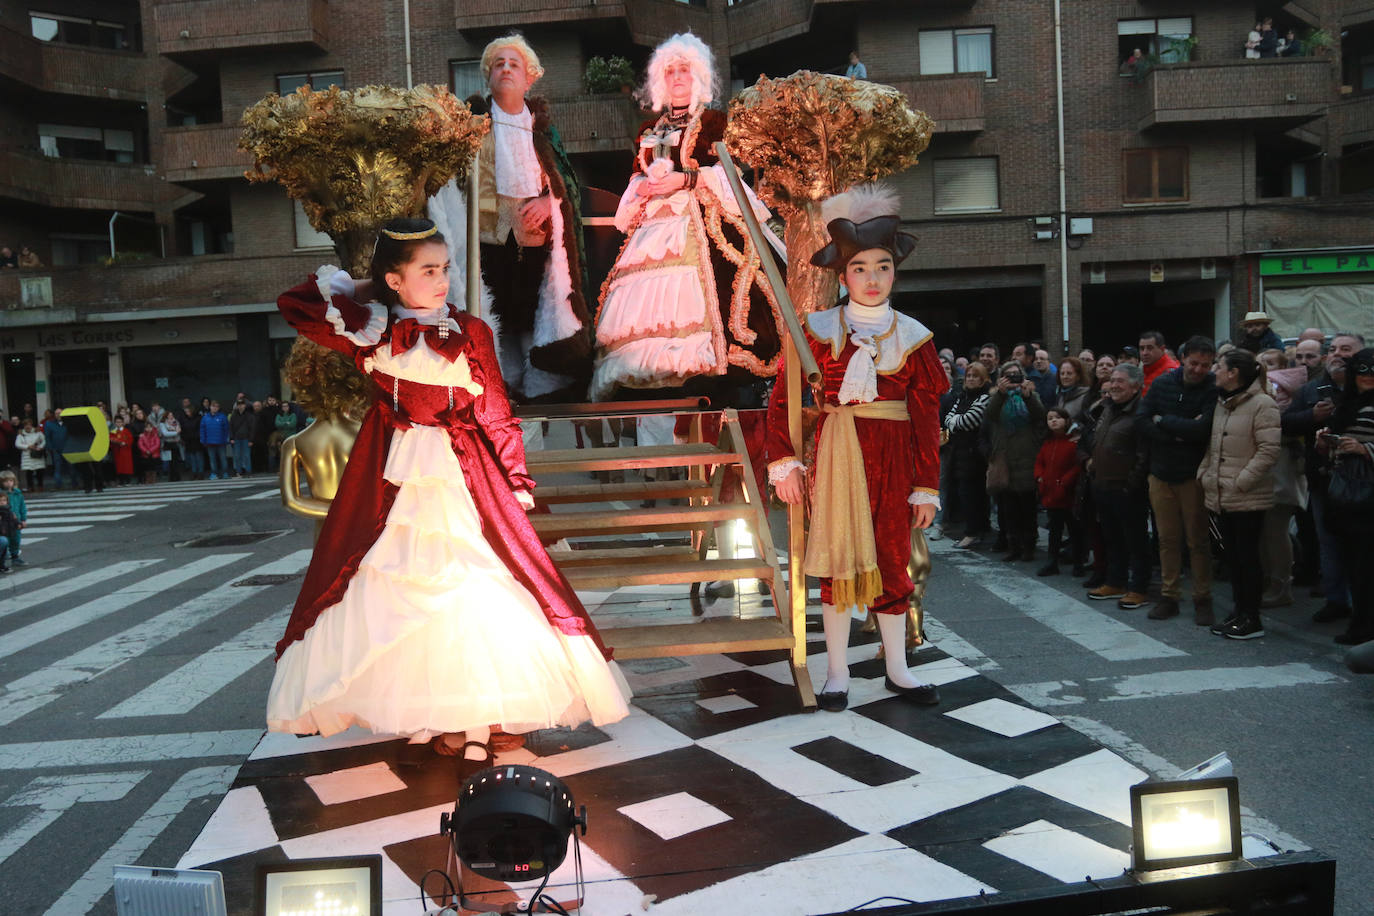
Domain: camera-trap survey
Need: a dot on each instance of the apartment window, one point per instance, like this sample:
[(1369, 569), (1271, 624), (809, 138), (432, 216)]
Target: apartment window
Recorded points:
[(76, 30), (69, 141), (1164, 38), (306, 235), (465, 78), (1153, 175), (965, 185), (956, 51), (288, 83)]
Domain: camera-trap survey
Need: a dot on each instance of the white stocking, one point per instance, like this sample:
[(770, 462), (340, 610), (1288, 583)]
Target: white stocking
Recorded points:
[(481, 736), (836, 649), (892, 629)]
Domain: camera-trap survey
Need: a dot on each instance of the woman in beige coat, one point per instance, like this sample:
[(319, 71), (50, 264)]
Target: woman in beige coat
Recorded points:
[(1237, 475)]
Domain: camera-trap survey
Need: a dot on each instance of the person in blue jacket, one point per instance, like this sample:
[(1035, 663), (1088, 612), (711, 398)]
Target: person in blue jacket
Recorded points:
[(214, 437)]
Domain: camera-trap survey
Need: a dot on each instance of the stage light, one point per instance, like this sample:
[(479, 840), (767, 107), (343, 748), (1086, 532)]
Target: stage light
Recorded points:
[(512, 823), (335, 886), (1185, 822), (139, 891)]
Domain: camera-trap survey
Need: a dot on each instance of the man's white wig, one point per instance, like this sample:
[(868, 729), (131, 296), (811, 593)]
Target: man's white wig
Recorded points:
[(517, 42), (690, 49)]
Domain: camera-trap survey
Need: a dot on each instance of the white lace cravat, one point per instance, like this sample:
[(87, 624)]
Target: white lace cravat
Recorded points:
[(866, 324)]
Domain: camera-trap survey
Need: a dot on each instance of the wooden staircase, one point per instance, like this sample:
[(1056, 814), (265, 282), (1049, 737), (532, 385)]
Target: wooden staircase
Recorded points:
[(707, 499)]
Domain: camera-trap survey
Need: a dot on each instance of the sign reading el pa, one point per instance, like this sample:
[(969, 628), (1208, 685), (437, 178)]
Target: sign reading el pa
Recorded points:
[(1327, 262)]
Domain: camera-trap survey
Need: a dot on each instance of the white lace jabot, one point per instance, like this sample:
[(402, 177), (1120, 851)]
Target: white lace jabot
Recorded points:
[(517, 168)]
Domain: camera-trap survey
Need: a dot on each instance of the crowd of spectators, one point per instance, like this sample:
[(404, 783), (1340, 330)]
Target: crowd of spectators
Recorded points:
[(1264, 41), (26, 258), (189, 442), (1249, 458)]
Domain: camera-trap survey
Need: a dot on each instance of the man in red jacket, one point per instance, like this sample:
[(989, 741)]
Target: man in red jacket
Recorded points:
[(1154, 359)]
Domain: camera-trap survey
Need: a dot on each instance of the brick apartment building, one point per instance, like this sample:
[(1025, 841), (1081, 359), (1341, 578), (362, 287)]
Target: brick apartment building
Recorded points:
[(1205, 187)]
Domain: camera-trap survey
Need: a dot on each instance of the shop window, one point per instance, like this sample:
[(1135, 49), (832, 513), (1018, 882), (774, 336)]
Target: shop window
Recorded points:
[(288, 83), (956, 51), (1166, 39), (965, 185), (465, 78), (1155, 175), (306, 235)]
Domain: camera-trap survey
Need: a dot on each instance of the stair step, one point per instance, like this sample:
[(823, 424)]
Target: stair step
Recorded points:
[(611, 521), (630, 491), (702, 638), (567, 559), (673, 572), (633, 457)]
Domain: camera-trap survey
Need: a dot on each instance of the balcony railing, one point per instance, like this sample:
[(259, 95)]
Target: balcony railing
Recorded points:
[(189, 26), (1283, 91), (79, 183), (502, 14), (164, 283), (203, 153), (73, 70), (955, 102), (594, 124)]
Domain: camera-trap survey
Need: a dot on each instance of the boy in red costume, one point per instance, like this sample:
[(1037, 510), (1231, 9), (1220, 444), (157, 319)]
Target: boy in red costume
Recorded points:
[(877, 468)]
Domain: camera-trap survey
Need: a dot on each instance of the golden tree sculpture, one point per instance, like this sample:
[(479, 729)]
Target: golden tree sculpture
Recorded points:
[(357, 158), (812, 135)]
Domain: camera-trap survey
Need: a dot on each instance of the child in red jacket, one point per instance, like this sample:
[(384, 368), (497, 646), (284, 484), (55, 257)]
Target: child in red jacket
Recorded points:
[(1056, 479)]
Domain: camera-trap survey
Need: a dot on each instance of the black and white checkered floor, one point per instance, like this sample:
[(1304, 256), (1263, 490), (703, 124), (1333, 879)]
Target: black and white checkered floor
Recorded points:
[(716, 791)]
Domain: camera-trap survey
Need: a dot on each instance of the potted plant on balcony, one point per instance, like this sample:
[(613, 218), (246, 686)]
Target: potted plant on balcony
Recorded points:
[(1318, 42), (609, 74)]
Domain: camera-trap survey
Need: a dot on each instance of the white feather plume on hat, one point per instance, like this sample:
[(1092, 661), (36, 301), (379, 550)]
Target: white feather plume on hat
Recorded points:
[(862, 203)]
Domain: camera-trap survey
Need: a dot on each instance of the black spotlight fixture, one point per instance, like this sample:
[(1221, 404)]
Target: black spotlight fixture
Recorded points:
[(512, 823)]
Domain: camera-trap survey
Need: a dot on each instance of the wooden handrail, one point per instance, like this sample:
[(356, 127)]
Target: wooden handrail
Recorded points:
[(610, 409)]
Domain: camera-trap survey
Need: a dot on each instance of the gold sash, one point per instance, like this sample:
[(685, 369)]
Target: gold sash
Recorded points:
[(841, 545)]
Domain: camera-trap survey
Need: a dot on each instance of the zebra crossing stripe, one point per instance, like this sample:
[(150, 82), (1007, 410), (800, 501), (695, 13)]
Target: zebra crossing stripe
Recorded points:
[(99, 878), (67, 586), (266, 494), (55, 529), (25, 576), (182, 690), (39, 688), (143, 590), (78, 517), (51, 796), (127, 749)]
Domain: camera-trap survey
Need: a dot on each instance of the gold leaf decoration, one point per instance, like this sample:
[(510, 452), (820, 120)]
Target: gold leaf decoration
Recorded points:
[(812, 135), (357, 158)]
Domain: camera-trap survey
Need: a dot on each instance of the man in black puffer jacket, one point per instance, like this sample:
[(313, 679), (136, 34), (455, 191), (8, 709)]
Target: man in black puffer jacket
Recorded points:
[(1176, 419)]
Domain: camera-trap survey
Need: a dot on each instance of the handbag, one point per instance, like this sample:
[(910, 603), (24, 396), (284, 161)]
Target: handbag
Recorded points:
[(999, 474), (1351, 487)]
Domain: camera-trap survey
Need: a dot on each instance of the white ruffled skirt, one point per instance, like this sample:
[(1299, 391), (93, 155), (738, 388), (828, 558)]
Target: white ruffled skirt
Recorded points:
[(434, 634)]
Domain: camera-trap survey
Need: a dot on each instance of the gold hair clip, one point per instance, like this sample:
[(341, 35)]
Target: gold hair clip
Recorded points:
[(410, 236)]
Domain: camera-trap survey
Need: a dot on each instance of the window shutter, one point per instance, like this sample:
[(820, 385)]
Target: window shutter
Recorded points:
[(1176, 27), (937, 52), (965, 184), (1135, 27)]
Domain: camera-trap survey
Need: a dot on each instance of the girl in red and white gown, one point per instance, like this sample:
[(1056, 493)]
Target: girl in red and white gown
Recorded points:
[(430, 607)]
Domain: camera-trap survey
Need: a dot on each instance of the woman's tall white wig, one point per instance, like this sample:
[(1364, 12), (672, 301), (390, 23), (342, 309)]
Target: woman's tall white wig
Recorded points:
[(690, 49)]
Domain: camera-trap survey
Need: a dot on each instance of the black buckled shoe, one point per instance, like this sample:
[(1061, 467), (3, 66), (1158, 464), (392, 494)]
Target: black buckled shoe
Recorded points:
[(921, 694), (833, 701)]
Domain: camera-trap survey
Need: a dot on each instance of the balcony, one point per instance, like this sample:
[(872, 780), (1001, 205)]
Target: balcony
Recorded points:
[(1282, 93), (78, 183), (1352, 121), (1356, 12), (955, 102), (192, 26), (654, 21), (504, 14), (72, 70), (203, 153), (158, 283), (597, 123), (763, 22)]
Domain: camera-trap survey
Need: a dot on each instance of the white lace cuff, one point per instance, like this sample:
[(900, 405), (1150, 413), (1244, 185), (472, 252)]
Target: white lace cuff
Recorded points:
[(369, 335), (334, 281), (525, 499), (778, 470), (923, 498)]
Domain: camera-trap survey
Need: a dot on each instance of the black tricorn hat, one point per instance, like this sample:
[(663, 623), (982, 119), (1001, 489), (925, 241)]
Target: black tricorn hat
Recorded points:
[(859, 219)]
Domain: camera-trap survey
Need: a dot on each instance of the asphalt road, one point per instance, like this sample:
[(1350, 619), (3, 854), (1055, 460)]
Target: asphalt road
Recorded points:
[(133, 673)]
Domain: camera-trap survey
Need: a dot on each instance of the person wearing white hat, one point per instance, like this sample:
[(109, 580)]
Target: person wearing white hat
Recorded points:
[(1256, 335)]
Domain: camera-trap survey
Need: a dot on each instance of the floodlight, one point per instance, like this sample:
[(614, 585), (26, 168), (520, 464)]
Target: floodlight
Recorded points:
[(332, 886), (141, 891), (1185, 822)]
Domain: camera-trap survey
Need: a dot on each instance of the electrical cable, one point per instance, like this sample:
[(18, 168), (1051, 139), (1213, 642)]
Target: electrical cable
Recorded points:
[(855, 909), (452, 892)]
